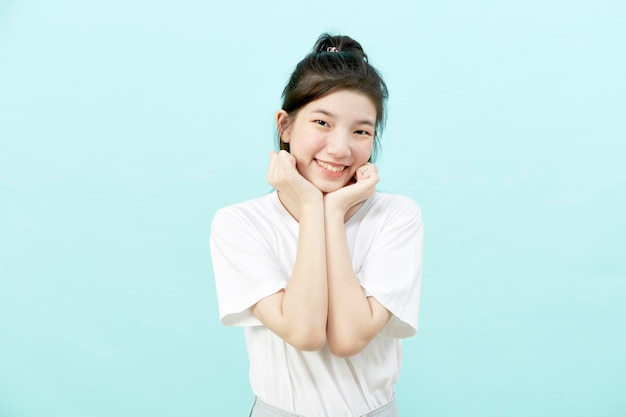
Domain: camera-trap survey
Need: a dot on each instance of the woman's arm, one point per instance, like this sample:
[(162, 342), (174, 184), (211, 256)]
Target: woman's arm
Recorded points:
[(298, 314), (353, 318)]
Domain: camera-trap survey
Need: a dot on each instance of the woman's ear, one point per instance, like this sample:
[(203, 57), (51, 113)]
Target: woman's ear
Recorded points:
[(282, 125)]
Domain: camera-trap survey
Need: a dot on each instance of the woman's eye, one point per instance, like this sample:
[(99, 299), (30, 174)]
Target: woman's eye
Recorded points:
[(321, 123), (362, 132)]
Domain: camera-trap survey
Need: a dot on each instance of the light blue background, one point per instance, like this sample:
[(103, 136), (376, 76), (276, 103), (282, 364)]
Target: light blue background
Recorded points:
[(125, 125)]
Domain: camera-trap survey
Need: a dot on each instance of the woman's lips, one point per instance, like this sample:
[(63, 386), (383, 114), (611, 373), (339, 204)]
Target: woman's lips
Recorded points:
[(334, 168)]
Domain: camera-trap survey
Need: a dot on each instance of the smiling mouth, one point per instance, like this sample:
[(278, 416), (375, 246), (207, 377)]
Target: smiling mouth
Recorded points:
[(330, 167)]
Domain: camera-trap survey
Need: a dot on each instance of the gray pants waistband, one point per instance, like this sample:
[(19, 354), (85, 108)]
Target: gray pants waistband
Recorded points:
[(262, 409)]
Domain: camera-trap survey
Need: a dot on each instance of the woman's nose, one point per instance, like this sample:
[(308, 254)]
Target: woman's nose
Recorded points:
[(338, 143)]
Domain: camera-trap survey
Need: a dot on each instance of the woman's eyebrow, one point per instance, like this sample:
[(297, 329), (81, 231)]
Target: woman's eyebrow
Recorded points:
[(325, 112), (329, 114)]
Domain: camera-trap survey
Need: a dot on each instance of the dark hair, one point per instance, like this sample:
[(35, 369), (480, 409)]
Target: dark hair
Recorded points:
[(336, 63)]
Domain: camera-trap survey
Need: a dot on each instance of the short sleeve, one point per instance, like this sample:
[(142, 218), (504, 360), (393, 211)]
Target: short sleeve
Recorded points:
[(245, 268), (392, 269)]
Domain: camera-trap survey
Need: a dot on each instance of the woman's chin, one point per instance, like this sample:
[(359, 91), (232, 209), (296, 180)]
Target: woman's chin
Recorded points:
[(327, 188)]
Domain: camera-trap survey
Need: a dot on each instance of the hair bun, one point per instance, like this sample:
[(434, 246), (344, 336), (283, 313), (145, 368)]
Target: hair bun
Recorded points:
[(327, 43)]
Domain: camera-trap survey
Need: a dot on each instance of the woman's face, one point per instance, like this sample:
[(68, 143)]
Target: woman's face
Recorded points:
[(331, 137)]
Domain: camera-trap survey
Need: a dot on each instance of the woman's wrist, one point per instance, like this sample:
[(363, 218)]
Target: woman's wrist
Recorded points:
[(312, 206), (334, 210)]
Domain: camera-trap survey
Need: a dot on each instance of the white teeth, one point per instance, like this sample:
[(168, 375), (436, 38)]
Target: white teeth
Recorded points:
[(330, 167)]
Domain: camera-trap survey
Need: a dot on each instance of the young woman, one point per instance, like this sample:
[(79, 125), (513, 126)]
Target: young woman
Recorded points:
[(324, 273)]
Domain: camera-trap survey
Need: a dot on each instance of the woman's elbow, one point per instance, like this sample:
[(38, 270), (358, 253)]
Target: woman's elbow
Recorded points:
[(345, 348), (309, 341)]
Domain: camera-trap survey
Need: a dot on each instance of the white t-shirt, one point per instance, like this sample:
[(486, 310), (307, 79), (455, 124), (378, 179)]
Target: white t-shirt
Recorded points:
[(253, 249)]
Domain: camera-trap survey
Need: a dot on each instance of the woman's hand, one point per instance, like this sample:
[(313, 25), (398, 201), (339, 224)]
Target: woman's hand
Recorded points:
[(294, 190), (349, 196)]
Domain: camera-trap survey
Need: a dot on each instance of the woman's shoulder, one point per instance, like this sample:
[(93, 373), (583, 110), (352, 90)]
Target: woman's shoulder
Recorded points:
[(261, 202), (254, 211), (384, 209), (396, 203)]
